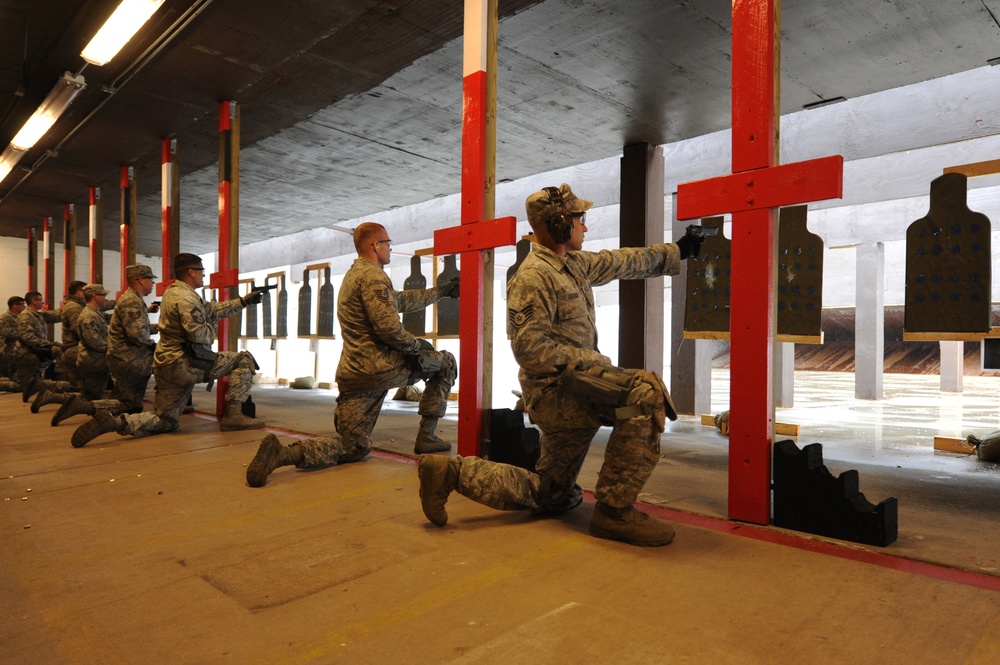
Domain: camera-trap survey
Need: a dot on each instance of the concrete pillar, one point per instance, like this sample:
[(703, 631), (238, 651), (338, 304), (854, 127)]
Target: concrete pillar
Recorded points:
[(869, 321), (640, 318), (952, 366), (784, 374), (690, 359)]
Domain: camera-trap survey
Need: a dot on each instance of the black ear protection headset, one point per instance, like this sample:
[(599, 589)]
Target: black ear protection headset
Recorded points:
[(560, 222)]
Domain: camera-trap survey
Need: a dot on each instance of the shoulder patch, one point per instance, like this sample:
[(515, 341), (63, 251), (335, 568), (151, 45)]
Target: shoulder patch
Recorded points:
[(518, 317), (382, 294)]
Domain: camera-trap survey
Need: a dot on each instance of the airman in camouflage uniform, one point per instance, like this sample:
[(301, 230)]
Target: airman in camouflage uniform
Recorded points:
[(129, 350), (183, 358), (8, 342), (379, 355), (34, 351), (551, 325), (69, 313)]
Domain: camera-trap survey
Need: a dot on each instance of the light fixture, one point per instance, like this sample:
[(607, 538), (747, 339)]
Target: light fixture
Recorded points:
[(120, 27), (8, 160), (823, 102), (66, 90)]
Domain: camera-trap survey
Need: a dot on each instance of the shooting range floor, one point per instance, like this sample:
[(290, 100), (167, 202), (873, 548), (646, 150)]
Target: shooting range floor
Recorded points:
[(156, 551)]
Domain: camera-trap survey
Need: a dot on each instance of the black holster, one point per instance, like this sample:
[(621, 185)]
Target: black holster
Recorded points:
[(425, 365), (200, 356)]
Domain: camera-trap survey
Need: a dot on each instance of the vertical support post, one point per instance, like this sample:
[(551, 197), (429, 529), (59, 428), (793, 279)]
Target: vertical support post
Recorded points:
[(952, 366), (128, 214), (95, 216), (869, 321), (32, 260), (227, 277), (489, 206), (48, 264), (69, 245), (784, 374), (640, 313), (474, 185), (48, 250), (170, 207), (690, 359)]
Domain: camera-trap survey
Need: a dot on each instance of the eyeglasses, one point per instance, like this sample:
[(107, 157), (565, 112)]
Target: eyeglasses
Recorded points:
[(582, 217), (387, 243)]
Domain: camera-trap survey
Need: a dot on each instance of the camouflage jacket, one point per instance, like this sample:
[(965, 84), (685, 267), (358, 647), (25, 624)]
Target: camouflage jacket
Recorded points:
[(31, 327), (70, 312), (187, 317), (550, 306), (376, 345), (92, 328), (129, 331), (8, 331)]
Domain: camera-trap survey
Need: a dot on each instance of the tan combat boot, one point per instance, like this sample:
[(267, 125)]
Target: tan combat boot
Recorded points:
[(102, 423), (629, 526), (427, 441), (438, 478), (74, 406), (46, 396), (233, 419), (270, 455), (31, 386)]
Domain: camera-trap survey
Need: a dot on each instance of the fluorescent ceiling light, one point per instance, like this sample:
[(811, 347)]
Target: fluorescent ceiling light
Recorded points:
[(45, 116), (8, 160), (118, 29)]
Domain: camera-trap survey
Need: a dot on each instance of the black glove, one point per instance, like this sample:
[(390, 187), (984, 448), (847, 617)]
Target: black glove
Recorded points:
[(424, 345), (690, 244), (252, 298), (449, 289)]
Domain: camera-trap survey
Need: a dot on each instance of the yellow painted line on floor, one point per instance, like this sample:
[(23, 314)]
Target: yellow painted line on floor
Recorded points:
[(441, 595)]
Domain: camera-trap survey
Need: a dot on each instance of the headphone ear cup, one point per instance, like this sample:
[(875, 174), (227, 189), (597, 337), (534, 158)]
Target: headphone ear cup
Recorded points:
[(561, 228)]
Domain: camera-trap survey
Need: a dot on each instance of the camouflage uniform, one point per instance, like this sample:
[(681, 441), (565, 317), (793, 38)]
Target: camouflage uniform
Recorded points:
[(186, 317), (91, 361), (551, 324), (31, 335), (69, 314), (130, 350), (8, 359), (377, 357)]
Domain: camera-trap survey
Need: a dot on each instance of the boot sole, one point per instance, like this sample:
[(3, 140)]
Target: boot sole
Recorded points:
[(631, 541)]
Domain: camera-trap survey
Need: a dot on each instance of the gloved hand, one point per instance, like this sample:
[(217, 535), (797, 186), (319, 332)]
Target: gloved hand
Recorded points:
[(425, 345), (690, 243), (252, 298), (449, 289), (55, 351)]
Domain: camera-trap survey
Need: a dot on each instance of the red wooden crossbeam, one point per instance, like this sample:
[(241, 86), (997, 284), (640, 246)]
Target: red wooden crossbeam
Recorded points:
[(756, 187), (477, 236)]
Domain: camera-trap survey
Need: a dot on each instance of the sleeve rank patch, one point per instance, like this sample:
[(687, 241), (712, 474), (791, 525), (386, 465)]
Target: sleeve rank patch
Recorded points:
[(518, 318), (382, 294)]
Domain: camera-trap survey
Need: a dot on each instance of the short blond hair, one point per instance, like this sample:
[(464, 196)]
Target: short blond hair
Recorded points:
[(365, 232)]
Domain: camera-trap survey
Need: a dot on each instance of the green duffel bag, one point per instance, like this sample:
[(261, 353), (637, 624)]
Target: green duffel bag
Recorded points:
[(987, 448)]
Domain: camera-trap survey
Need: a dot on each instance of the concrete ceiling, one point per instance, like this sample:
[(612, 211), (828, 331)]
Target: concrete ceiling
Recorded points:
[(352, 107)]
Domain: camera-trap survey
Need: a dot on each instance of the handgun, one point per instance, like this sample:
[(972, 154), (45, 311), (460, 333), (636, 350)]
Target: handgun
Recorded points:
[(700, 232)]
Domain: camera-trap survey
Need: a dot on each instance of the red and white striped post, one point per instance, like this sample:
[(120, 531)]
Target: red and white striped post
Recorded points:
[(69, 246), (96, 231), (128, 213), (48, 245), (227, 276), (32, 260), (476, 233), (169, 212)]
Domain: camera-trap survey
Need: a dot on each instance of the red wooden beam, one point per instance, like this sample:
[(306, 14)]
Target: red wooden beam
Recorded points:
[(94, 228), (477, 236)]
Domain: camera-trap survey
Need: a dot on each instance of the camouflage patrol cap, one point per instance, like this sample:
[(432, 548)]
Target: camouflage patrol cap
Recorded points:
[(539, 205), (92, 290), (137, 270)]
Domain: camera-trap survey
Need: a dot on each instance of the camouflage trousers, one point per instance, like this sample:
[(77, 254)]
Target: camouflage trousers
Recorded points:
[(568, 427), (31, 366), (357, 412), (176, 381), (67, 363), (131, 379), (92, 372), (8, 367)]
